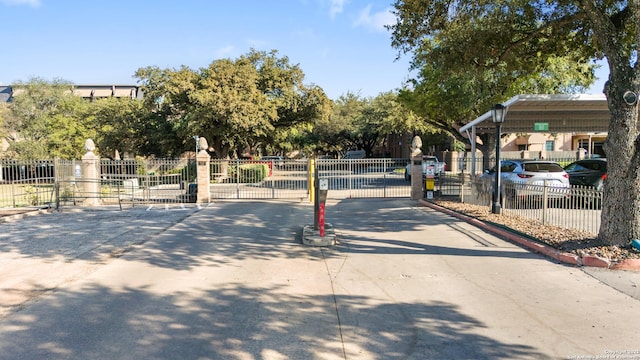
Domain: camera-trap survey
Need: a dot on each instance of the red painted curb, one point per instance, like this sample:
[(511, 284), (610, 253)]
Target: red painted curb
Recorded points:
[(546, 250), (595, 261), (629, 264)]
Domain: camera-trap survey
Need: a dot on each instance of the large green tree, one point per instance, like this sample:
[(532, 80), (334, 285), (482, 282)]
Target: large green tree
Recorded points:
[(463, 68), (234, 104), (47, 120), (298, 105), (365, 123), (126, 127), (521, 37)]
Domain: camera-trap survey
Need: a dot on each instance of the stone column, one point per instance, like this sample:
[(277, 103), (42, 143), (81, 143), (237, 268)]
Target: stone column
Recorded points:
[(416, 168), (90, 175), (581, 154), (454, 162), (203, 161)]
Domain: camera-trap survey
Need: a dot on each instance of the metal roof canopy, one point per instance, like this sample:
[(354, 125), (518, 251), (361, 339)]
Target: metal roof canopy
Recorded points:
[(562, 112)]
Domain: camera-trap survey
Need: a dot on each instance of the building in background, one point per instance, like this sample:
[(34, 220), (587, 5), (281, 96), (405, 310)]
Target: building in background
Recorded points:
[(89, 92)]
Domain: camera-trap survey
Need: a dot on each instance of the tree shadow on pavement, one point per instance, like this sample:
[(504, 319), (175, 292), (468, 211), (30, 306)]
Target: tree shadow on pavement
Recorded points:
[(233, 230), (85, 234), (235, 321)]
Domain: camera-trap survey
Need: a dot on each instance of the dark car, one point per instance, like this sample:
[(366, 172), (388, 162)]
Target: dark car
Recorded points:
[(588, 172)]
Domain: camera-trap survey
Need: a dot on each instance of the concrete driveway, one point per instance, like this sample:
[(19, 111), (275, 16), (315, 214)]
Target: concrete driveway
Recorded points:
[(233, 281)]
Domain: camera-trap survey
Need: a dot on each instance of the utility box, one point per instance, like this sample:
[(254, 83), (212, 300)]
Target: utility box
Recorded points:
[(430, 181)]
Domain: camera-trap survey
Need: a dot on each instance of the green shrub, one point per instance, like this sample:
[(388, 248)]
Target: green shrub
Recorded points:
[(248, 173), (31, 195), (187, 173)]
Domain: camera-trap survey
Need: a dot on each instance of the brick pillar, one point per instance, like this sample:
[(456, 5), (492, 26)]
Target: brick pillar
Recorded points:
[(416, 175), (203, 161), (90, 175), (416, 168)]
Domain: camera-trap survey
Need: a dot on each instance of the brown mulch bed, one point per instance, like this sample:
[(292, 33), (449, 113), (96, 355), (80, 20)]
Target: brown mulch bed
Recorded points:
[(572, 241)]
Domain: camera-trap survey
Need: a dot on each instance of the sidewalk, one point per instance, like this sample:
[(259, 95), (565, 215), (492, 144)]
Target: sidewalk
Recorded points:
[(41, 250)]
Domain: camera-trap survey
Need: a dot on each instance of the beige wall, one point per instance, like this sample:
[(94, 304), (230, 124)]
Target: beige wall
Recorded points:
[(536, 141)]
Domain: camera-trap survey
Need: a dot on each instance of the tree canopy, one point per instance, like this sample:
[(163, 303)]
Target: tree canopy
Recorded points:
[(507, 46), (47, 120), (364, 123), (240, 103), (465, 64), (257, 103)]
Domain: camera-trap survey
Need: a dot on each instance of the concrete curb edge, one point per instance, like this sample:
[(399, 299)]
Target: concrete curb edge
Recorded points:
[(564, 257), (24, 214)]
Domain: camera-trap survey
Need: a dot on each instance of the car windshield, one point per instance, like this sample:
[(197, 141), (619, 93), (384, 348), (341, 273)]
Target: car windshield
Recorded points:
[(575, 167), (542, 167)]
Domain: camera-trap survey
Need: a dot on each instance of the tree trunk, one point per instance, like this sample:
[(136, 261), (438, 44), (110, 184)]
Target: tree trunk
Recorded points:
[(620, 218), (488, 149), (221, 149)]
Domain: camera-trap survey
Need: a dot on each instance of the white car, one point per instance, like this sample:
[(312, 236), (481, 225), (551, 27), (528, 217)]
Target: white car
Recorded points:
[(529, 177), (438, 167)]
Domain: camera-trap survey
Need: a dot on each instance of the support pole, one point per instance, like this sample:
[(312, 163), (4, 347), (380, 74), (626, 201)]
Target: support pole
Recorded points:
[(496, 208)]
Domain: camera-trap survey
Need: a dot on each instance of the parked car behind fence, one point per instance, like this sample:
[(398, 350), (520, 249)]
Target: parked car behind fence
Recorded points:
[(588, 172), (532, 178), (439, 167)]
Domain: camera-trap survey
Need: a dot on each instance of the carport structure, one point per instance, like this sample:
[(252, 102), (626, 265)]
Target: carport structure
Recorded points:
[(557, 113)]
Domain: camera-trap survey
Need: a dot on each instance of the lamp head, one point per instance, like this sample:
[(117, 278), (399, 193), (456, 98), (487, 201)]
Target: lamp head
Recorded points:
[(497, 113)]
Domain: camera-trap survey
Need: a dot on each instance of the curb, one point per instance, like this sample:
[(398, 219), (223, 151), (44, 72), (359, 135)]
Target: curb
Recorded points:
[(24, 214), (563, 257)]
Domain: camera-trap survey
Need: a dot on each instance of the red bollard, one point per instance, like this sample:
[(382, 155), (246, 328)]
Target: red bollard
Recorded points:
[(321, 219)]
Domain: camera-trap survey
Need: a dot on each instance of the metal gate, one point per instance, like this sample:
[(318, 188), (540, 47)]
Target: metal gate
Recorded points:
[(290, 179), (139, 181), (130, 182)]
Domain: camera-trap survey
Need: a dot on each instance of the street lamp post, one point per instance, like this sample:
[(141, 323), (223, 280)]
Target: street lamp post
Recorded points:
[(197, 139), (497, 114)]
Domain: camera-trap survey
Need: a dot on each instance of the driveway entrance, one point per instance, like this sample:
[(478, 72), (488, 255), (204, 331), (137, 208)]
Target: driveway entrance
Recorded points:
[(289, 179)]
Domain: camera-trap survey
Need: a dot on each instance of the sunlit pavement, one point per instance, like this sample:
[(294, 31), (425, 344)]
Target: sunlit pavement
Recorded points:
[(233, 281)]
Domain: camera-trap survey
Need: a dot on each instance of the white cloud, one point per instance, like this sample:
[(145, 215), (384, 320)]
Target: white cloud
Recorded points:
[(31, 3), (375, 21), (337, 6)]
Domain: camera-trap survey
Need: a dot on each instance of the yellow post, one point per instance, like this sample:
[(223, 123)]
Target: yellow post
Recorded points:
[(311, 180)]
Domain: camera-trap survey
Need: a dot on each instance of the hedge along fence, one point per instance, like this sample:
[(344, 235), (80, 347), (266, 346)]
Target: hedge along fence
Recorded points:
[(247, 173)]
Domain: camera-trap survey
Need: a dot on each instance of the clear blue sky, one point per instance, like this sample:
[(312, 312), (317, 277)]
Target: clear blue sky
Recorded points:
[(341, 45)]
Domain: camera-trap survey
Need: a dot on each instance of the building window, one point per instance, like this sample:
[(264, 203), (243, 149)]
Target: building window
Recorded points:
[(523, 147), (550, 145)]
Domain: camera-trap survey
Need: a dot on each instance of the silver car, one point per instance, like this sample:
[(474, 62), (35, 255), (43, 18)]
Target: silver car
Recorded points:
[(522, 178)]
